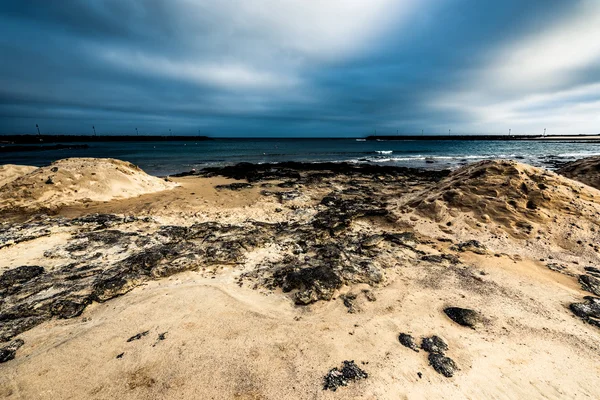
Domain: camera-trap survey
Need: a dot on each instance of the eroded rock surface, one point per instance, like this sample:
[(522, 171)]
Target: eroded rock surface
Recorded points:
[(464, 316), (337, 377)]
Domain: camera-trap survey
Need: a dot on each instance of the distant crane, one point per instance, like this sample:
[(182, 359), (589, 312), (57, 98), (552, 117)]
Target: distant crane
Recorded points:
[(422, 132), (94, 128), (38, 129), (509, 132), (170, 133), (136, 132), (544, 132)]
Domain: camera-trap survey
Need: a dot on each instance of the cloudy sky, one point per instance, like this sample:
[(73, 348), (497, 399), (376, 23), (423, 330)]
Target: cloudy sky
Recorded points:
[(300, 67)]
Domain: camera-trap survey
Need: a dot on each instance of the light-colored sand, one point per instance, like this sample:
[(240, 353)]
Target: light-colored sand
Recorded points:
[(77, 180), (226, 342), (586, 170), (10, 172)]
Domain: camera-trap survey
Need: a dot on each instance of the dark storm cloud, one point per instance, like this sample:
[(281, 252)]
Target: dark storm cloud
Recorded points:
[(280, 68)]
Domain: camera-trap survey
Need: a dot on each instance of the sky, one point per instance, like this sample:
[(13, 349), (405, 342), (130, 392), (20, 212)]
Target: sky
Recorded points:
[(287, 68)]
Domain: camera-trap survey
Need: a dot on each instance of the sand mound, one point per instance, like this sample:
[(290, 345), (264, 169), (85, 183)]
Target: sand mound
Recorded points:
[(586, 170), (10, 172), (75, 180), (508, 193)]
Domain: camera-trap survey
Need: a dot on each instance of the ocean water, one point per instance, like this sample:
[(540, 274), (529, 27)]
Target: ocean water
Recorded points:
[(164, 158)]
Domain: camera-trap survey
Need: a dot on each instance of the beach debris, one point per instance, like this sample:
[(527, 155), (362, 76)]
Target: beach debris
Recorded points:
[(434, 344), (349, 372), (7, 351), (464, 316), (442, 364), (408, 341), (120, 355), (138, 336)]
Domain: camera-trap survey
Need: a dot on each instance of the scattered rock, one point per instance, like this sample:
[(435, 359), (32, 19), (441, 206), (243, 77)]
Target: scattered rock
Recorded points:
[(349, 372), (590, 284), (138, 336), (593, 271), (235, 186), (442, 364), (588, 311), (434, 344), (408, 341), (349, 302), (464, 316), (473, 246), (7, 352)]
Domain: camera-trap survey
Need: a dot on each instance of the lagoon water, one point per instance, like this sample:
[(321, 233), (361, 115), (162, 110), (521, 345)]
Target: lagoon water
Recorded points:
[(163, 158)]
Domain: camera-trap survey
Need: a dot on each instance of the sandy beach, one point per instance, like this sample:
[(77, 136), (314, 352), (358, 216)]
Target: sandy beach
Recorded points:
[(261, 281)]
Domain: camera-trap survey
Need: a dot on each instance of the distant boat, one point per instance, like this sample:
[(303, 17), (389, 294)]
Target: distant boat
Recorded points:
[(361, 140)]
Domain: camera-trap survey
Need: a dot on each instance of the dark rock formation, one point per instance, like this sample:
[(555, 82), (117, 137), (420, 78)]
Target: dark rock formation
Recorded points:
[(590, 284), (442, 364), (408, 341), (235, 186), (434, 344), (589, 311), (472, 246), (342, 377), (312, 283), (7, 352), (593, 271), (138, 336), (464, 316)]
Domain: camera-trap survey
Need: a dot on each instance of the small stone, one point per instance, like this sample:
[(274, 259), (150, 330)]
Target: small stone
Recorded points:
[(464, 316), (442, 365), (408, 341), (434, 344), (7, 352), (138, 336), (341, 377)]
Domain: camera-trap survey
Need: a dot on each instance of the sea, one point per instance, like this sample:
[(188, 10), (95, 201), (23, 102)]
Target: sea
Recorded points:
[(165, 158)]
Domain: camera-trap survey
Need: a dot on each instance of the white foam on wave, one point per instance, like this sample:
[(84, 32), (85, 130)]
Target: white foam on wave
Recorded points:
[(384, 151)]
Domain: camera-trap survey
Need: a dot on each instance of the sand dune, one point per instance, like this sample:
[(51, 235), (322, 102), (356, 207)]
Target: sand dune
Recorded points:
[(586, 170), (77, 180), (517, 196), (10, 172)]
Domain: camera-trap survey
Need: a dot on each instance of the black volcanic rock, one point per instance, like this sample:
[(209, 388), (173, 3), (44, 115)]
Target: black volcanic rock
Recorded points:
[(7, 352), (408, 341), (590, 284), (464, 316), (434, 344), (442, 364), (341, 377)]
